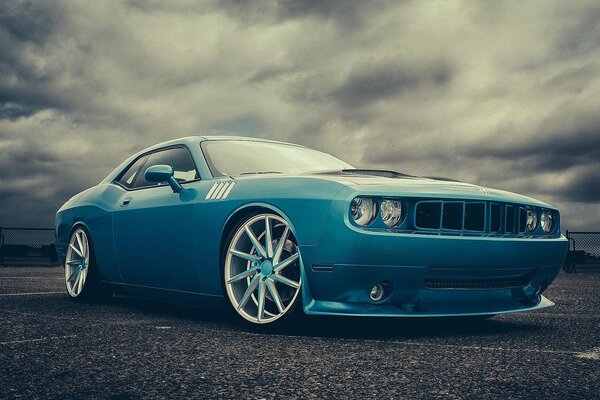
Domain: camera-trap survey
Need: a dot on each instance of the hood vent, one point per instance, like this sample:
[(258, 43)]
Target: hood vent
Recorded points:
[(376, 172)]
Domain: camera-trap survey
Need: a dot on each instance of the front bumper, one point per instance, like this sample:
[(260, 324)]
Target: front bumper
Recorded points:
[(505, 274)]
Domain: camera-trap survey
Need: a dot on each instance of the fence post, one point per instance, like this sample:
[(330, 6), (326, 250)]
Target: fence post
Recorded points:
[(570, 261)]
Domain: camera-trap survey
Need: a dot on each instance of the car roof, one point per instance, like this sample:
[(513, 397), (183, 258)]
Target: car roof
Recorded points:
[(190, 141), (230, 137)]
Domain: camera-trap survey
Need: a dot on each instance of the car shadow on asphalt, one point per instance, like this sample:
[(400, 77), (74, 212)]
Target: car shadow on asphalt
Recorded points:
[(377, 328), (364, 328)]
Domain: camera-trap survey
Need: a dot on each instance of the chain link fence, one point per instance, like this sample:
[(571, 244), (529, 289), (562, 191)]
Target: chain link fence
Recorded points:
[(27, 246), (584, 251)]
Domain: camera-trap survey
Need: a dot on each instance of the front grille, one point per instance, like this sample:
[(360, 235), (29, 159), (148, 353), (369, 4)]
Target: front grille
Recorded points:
[(451, 215), (510, 219), (428, 214), (495, 217), (522, 219), (502, 283), (475, 217), (470, 217)]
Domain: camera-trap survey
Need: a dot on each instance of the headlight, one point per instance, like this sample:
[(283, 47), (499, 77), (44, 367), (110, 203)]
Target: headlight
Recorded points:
[(547, 220), (363, 210), (532, 220), (391, 212)]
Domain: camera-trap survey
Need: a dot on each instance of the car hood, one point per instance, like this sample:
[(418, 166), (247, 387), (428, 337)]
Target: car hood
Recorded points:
[(403, 185)]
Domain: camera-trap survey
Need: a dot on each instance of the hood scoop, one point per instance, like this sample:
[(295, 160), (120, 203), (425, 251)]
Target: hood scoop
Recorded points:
[(442, 178), (376, 172)]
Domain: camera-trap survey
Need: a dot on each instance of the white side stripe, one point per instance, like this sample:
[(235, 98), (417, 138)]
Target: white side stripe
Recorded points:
[(210, 192), (220, 190), (217, 188), (228, 190)]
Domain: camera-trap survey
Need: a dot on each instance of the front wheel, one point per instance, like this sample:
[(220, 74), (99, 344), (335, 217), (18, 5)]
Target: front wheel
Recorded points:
[(262, 269), (81, 274)]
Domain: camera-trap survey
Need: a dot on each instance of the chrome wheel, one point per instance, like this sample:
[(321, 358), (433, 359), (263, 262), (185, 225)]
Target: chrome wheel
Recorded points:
[(262, 269), (77, 262)]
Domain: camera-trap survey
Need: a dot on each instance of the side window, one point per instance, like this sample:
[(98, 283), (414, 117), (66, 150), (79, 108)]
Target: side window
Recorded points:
[(128, 178), (179, 158)]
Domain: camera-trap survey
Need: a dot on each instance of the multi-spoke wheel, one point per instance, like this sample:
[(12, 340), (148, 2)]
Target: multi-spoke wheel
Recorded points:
[(81, 278), (262, 269)]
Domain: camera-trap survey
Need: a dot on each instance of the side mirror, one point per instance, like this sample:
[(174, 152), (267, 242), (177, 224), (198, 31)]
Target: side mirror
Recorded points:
[(162, 173)]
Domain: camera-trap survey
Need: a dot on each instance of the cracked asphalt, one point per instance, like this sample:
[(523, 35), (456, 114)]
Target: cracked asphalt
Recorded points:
[(128, 348)]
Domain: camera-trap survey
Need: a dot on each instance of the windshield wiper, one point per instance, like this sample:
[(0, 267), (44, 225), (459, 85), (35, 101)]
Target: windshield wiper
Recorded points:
[(260, 172)]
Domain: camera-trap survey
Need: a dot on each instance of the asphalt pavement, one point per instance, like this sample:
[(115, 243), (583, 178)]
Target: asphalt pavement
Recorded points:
[(128, 348)]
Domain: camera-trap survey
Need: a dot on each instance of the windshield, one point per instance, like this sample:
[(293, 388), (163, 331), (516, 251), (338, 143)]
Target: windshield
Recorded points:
[(235, 158)]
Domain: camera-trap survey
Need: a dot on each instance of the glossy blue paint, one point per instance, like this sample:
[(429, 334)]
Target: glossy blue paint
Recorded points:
[(168, 244)]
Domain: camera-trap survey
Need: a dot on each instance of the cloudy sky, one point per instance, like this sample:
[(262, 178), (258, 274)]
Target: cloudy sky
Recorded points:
[(504, 94)]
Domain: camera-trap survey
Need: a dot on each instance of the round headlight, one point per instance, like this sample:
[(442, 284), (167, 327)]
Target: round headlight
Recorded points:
[(363, 210), (532, 220), (547, 220), (391, 212)]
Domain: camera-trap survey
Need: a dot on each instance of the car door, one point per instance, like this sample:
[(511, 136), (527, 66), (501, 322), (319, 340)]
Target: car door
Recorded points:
[(153, 227)]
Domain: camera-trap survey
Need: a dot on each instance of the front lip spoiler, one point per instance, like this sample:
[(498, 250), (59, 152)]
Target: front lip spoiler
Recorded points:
[(317, 307)]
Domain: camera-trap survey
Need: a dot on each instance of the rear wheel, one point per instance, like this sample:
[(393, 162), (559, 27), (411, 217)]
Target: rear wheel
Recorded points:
[(81, 275), (262, 269)]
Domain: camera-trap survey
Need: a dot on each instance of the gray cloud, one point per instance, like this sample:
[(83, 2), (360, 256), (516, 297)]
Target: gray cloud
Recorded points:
[(501, 94), (28, 21), (349, 13), (563, 141), (584, 186), (24, 28), (13, 111), (381, 82)]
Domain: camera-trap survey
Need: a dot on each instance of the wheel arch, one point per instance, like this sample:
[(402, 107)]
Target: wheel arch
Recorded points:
[(62, 233), (83, 225), (93, 288), (243, 212), (80, 224)]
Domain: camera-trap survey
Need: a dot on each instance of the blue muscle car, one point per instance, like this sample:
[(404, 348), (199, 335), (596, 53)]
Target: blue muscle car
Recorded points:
[(263, 227)]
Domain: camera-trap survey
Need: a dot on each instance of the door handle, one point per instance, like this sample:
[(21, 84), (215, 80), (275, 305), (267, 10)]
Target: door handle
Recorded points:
[(126, 202)]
